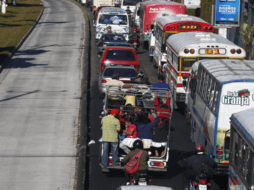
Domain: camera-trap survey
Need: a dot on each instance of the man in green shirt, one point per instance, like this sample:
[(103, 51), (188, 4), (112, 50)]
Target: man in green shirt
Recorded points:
[(110, 129)]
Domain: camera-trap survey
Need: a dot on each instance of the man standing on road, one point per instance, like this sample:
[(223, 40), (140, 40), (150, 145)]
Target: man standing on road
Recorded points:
[(110, 129)]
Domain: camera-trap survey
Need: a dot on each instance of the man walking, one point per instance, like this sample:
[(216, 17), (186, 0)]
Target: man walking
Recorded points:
[(110, 129)]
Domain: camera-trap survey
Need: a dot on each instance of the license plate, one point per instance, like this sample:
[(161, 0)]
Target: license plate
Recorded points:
[(202, 187), (142, 183)]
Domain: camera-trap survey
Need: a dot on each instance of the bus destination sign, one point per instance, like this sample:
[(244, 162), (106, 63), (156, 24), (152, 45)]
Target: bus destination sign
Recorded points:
[(212, 51), (189, 27)]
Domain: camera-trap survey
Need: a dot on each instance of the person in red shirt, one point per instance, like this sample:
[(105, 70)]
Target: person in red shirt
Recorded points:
[(131, 132), (161, 107)]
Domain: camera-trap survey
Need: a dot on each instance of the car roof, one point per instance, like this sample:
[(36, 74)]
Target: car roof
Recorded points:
[(110, 10), (112, 34), (120, 66), (119, 48)]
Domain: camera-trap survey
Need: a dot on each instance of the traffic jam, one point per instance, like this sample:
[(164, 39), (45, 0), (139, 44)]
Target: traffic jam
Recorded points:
[(197, 68)]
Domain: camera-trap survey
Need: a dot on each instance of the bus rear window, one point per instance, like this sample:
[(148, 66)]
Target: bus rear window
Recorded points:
[(187, 63), (120, 55), (201, 58)]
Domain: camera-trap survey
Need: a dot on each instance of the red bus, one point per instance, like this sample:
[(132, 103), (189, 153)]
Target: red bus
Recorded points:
[(150, 10)]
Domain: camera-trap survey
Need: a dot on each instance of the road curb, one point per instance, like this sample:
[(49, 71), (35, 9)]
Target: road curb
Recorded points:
[(22, 41)]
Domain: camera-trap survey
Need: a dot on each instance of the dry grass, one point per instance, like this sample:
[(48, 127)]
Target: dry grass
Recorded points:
[(14, 25)]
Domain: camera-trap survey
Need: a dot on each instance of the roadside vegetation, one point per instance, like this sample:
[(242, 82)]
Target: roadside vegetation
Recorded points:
[(14, 25)]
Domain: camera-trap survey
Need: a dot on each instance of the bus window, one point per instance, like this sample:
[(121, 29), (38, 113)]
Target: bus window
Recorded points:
[(216, 98), (213, 86), (243, 158), (170, 55), (175, 61), (237, 158), (187, 63), (249, 166), (200, 75), (204, 85), (209, 90)]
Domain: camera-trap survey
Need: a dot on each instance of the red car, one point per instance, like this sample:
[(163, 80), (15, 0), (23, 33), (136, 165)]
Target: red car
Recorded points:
[(98, 9), (119, 56)]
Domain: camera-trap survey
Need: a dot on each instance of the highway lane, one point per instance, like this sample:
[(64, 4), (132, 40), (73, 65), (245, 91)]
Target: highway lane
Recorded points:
[(39, 103), (181, 136)]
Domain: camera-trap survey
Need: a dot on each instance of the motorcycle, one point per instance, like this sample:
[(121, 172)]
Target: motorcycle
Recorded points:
[(135, 43), (202, 180)]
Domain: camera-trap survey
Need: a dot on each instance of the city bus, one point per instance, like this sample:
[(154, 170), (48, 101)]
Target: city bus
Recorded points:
[(241, 167), (129, 3), (150, 10), (184, 49), (172, 24), (215, 90)]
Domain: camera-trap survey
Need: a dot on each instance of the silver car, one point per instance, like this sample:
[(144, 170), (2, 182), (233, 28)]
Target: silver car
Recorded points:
[(111, 40), (126, 74)]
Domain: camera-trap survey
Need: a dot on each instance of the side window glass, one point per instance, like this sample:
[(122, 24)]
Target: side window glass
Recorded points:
[(243, 158), (236, 150), (206, 87), (216, 98), (200, 74), (209, 89), (203, 84), (249, 168), (213, 86)]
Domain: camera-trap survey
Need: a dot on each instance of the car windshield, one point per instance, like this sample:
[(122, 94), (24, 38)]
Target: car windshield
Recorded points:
[(131, 2), (110, 37), (127, 73), (121, 55), (113, 19)]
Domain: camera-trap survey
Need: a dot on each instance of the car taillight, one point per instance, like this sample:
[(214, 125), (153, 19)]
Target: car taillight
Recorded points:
[(209, 184), (136, 67), (210, 28), (102, 44), (195, 184), (172, 28), (232, 51), (205, 28), (202, 181), (168, 27), (103, 81), (219, 152), (239, 51), (158, 164)]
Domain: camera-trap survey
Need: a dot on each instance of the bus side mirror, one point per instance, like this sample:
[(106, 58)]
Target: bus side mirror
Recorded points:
[(152, 26), (138, 12)]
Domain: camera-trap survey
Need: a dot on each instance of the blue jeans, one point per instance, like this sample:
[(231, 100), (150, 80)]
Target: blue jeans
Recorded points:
[(104, 158)]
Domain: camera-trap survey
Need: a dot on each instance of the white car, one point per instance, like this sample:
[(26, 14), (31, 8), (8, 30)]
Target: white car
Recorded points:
[(114, 17)]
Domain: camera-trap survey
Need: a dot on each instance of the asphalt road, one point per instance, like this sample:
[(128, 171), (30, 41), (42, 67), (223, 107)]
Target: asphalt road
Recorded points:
[(39, 103), (181, 136)]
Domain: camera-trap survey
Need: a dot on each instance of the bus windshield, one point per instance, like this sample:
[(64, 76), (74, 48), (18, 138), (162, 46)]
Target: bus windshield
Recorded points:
[(113, 19), (131, 2), (187, 63)]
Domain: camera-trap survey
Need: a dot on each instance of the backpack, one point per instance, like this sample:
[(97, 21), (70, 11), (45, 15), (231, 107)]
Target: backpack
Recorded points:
[(133, 165)]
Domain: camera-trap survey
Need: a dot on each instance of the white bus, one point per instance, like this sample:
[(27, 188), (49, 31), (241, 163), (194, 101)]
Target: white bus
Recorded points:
[(129, 3), (116, 18), (215, 90), (170, 25), (241, 167), (184, 49)]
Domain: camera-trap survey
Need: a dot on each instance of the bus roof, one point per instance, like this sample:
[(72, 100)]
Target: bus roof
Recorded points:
[(112, 10), (229, 70), (153, 3), (245, 123), (180, 40), (178, 18)]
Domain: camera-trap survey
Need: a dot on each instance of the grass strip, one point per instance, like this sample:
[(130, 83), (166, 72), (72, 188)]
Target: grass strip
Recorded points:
[(15, 24)]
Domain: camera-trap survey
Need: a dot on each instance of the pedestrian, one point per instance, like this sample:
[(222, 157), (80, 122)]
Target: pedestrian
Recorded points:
[(164, 108), (161, 84), (110, 129)]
